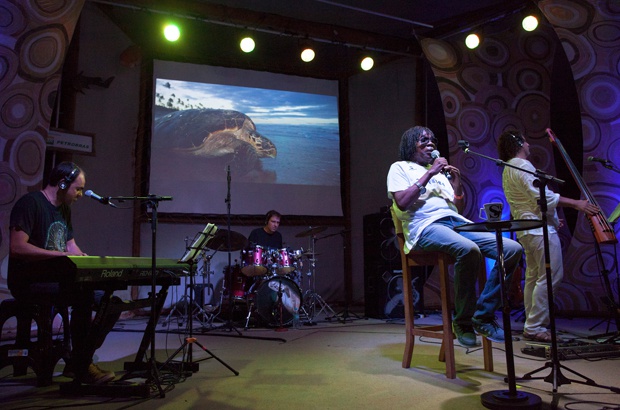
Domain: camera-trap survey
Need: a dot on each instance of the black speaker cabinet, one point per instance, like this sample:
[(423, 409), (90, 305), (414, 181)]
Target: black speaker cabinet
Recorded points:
[(383, 280)]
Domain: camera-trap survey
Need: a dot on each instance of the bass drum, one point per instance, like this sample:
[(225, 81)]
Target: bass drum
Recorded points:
[(266, 300)]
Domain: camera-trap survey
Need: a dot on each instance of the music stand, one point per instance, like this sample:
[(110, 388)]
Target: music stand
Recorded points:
[(191, 255)]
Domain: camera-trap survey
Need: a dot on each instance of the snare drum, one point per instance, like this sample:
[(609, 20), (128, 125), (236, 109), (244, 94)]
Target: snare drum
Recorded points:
[(253, 261), (265, 295)]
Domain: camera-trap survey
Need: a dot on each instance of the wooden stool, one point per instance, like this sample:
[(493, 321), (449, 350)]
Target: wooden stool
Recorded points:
[(443, 331), (41, 355)]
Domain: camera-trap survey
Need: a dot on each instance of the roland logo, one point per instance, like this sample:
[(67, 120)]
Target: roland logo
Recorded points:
[(111, 273)]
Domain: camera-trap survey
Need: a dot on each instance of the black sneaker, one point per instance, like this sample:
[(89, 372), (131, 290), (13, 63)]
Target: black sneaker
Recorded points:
[(465, 335), (489, 329)]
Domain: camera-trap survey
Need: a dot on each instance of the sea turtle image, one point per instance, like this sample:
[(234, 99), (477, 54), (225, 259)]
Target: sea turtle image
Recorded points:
[(224, 136)]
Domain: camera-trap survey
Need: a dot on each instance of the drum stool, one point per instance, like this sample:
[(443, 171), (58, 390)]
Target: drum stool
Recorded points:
[(443, 331), (43, 354)]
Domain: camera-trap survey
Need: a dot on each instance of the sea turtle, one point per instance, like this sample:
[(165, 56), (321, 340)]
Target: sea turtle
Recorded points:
[(213, 133)]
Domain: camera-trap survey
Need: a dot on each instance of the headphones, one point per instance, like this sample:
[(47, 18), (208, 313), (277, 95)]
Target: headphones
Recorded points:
[(66, 181), (269, 215)]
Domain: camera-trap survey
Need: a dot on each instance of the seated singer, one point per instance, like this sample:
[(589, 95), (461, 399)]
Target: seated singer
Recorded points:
[(428, 205), (40, 228)]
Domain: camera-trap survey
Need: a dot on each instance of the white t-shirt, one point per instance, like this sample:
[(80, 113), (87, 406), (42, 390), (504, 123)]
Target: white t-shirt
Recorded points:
[(523, 196), (436, 203)]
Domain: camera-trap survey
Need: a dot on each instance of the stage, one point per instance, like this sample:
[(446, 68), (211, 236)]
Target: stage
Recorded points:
[(331, 365)]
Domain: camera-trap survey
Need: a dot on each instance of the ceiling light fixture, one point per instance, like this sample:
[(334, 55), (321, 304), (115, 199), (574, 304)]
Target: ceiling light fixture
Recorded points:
[(529, 23), (367, 63), (172, 32), (472, 41), (247, 44), (307, 55)]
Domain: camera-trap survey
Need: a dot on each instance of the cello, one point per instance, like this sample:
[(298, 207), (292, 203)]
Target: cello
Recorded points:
[(603, 232)]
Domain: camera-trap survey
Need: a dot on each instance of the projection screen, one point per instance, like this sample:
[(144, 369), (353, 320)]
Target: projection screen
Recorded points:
[(264, 140)]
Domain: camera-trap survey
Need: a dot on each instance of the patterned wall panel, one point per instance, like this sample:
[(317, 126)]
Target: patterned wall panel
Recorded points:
[(589, 32), (34, 37), (505, 83)]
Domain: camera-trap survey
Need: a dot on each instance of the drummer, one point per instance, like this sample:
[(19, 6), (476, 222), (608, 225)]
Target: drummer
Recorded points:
[(268, 236)]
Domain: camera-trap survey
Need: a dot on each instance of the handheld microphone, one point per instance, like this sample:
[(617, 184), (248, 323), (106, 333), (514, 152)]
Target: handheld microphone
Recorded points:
[(435, 154), (601, 160), (105, 201)]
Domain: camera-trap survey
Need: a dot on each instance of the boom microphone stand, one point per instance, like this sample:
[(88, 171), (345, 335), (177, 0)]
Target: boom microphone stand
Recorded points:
[(556, 378)]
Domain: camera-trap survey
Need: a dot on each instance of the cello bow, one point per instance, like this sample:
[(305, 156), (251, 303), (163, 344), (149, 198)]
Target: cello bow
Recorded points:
[(603, 232)]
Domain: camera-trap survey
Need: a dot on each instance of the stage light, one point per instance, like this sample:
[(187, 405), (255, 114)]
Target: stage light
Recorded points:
[(307, 54), (472, 41), (247, 44), (172, 32), (367, 63), (529, 23)]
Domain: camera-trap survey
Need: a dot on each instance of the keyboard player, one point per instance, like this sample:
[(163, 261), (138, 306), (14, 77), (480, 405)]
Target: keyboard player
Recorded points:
[(40, 228)]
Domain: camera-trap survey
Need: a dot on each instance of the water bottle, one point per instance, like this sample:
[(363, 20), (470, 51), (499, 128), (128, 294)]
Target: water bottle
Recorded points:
[(296, 321)]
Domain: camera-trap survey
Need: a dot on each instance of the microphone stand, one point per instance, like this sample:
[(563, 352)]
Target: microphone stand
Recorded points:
[(555, 377), (229, 325), (152, 202)]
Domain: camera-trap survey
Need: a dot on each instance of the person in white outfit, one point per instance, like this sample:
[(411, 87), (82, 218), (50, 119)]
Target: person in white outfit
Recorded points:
[(523, 198)]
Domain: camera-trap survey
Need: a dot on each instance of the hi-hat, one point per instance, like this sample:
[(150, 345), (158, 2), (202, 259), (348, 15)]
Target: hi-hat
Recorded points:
[(311, 231), (219, 242)]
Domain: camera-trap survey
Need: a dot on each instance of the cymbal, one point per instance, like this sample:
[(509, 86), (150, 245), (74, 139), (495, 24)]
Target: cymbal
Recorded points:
[(310, 254), (220, 240), (311, 231)]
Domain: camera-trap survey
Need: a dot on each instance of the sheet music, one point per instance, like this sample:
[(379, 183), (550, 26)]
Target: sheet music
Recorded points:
[(199, 243)]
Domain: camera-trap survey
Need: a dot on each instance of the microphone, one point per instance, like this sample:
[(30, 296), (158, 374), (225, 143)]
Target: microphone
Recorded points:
[(601, 160), (435, 154), (464, 145), (105, 201)]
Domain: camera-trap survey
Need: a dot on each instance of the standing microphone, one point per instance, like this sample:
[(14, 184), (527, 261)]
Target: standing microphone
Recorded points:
[(105, 201), (435, 154), (601, 160)]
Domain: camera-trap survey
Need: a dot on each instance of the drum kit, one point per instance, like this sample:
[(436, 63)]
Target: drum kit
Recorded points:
[(267, 282)]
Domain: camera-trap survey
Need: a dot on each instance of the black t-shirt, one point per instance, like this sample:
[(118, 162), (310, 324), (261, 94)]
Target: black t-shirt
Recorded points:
[(47, 226), (259, 237)]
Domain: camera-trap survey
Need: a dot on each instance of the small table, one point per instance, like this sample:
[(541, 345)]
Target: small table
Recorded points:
[(502, 399)]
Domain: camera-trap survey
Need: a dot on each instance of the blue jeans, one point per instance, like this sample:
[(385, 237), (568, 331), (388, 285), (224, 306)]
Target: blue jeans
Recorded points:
[(469, 250)]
